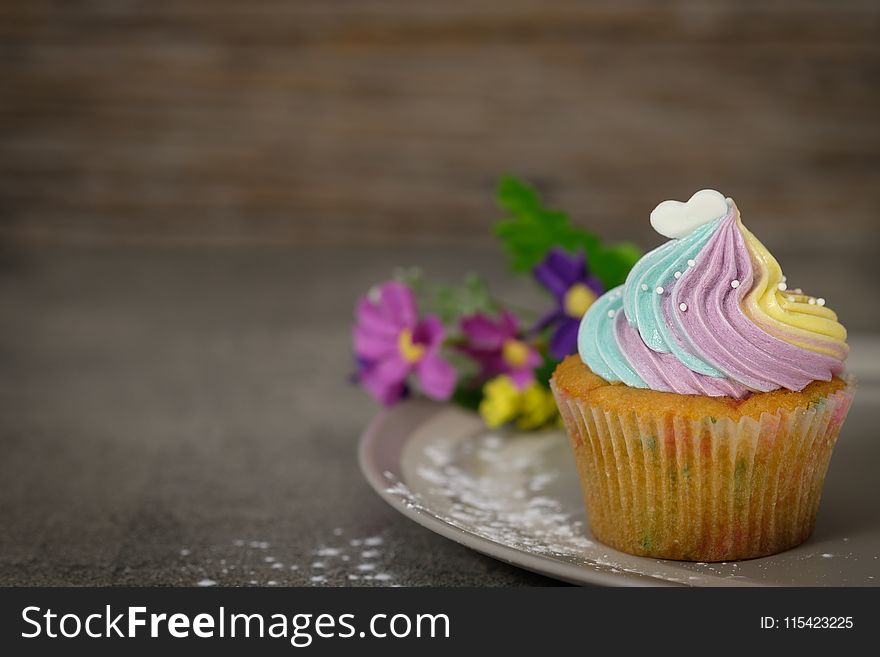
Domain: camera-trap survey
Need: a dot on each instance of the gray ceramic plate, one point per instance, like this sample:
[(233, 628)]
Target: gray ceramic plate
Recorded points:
[(516, 497)]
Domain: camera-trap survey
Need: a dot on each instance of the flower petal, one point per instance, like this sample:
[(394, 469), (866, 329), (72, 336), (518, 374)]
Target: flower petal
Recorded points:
[(491, 360), (571, 267), (482, 332), (509, 323), (534, 359), (560, 270), (548, 319), (385, 379), (370, 346), (488, 360), (386, 394), (394, 368), (436, 377), (399, 304), (370, 315), (429, 332), (522, 377), (564, 340), (550, 279), (595, 285)]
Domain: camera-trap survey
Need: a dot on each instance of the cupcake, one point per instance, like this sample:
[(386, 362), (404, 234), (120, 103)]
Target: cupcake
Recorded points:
[(706, 397)]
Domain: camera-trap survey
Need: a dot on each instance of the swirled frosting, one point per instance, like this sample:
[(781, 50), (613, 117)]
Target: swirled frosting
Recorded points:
[(710, 313)]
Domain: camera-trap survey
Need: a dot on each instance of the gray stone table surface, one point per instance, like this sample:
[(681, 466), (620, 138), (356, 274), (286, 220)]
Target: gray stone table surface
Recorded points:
[(171, 416)]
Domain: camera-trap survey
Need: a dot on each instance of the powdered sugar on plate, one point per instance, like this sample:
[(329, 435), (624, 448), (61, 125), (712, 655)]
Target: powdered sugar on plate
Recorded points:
[(500, 487), (520, 491)]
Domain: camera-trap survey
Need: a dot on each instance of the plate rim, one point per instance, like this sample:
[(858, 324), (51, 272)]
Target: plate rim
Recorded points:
[(548, 567)]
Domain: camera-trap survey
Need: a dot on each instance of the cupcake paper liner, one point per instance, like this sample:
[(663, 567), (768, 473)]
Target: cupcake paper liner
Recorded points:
[(671, 487)]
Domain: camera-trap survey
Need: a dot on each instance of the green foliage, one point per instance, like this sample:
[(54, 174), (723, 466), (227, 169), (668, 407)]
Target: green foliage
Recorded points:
[(449, 302), (545, 370), (412, 277), (468, 396), (612, 263), (530, 230)]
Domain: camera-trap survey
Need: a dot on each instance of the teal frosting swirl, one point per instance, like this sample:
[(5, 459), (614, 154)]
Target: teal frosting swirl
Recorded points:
[(597, 344), (643, 306)]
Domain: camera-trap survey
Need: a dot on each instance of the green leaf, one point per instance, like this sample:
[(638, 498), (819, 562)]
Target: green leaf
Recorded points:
[(450, 302), (412, 277), (612, 263), (468, 396), (516, 196), (530, 230), (545, 370)]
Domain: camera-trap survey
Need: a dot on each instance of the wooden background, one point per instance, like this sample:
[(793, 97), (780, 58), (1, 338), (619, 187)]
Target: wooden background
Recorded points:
[(206, 122), (216, 120)]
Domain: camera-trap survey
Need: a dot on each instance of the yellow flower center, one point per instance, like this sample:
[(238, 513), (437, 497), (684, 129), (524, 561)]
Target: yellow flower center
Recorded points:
[(577, 300), (412, 353), (515, 353)]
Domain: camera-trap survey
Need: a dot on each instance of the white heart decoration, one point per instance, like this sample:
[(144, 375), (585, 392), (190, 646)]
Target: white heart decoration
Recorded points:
[(675, 219)]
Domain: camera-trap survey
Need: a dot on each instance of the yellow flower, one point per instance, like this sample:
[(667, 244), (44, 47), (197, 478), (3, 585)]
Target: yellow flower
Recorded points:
[(501, 401), (537, 407)]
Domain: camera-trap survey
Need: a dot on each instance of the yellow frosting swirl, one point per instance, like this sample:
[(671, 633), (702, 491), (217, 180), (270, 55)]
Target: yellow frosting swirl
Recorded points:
[(793, 316)]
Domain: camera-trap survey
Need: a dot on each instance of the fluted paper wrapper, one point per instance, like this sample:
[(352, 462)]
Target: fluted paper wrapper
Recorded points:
[(711, 489)]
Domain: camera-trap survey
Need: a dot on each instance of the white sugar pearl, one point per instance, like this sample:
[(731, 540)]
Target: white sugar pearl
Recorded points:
[(691, 263), (659, 290), (682, 307), (734, 283), (611, 313), (644, 287), (677, 274), (790, 298), (782, 286), (812, 301), (820, 301)]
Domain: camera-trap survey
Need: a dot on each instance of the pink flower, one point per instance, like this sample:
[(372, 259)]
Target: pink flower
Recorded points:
[(390, 342), (496, 346)]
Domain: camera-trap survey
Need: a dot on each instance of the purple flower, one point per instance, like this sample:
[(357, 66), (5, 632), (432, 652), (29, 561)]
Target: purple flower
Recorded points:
[(390, 342), (496, 346), (565, 275)]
